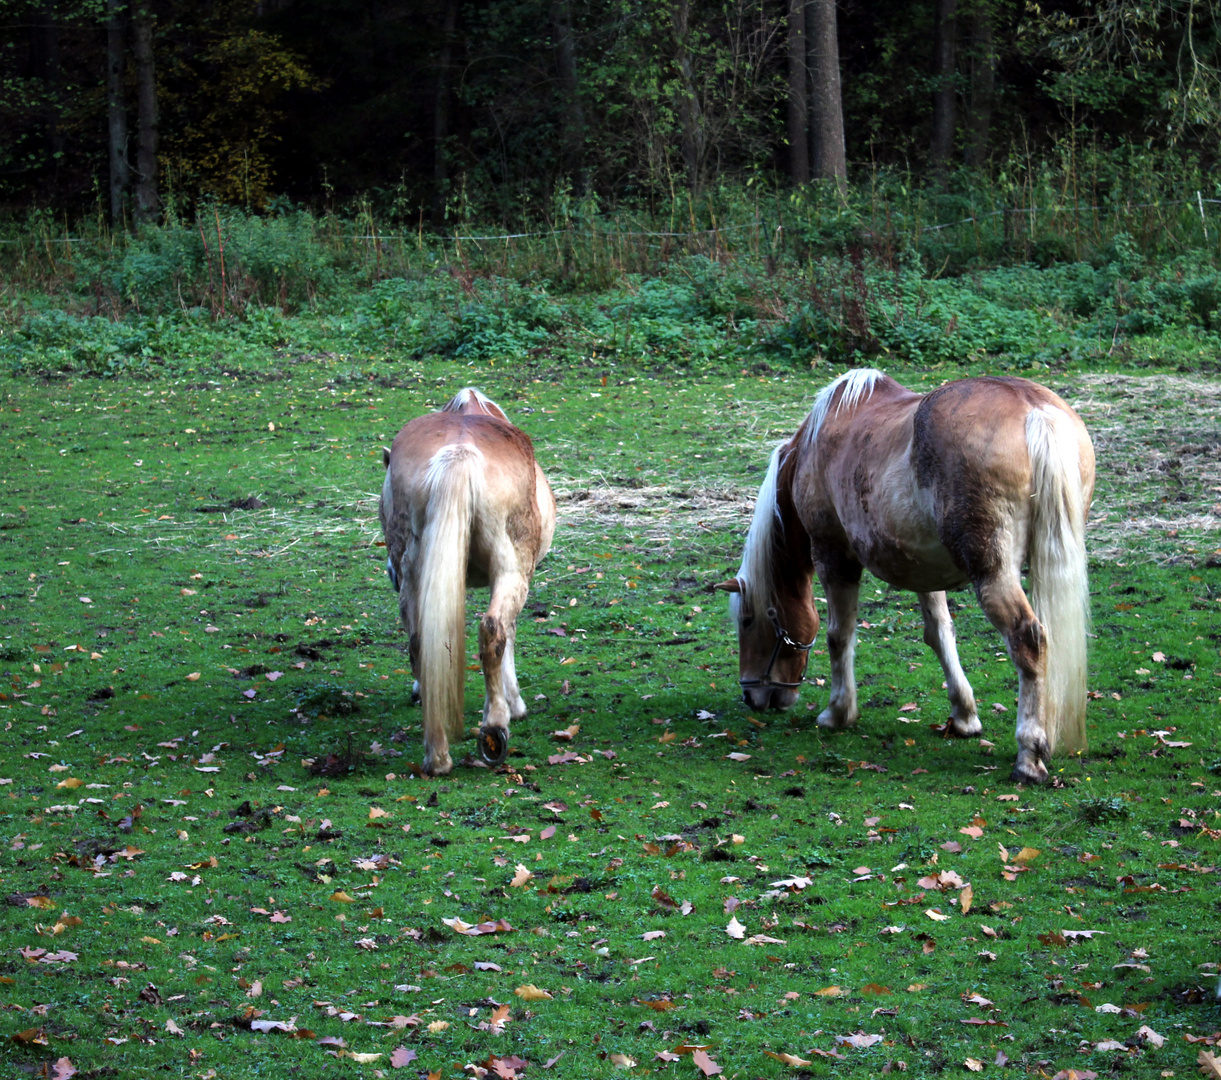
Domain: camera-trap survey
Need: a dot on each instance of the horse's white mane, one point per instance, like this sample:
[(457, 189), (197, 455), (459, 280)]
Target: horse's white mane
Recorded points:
[(756, 568), (468, 395), (857, 386)]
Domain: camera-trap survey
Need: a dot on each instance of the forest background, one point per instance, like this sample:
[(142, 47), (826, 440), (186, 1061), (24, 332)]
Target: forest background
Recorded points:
[(430, 110)]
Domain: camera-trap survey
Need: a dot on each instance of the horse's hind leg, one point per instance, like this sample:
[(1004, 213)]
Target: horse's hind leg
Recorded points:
[(939, 636), (1010, 612), (497, 635), (841, 710), (409, 616)]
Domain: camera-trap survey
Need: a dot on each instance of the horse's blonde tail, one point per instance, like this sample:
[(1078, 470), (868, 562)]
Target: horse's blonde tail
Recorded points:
[(1059, 589), (454, 482)]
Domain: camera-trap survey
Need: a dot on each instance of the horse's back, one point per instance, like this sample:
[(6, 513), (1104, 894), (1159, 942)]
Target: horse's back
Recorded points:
[(507, 449), (919, 487)]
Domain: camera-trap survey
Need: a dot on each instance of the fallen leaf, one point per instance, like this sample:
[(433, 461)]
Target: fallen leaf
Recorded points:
[(530, 992), (735, 929), (705, 1064), (1147, 1034), (1210, 1065), (401, 1057), (266, 1026), (860, 1040), (791, 1060)]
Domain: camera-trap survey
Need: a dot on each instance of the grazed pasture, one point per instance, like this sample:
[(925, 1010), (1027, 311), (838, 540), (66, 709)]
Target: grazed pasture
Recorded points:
[(219, 857)]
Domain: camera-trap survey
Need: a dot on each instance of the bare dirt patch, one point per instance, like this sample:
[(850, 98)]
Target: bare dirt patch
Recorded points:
[(1158, 443), (1157, 439)]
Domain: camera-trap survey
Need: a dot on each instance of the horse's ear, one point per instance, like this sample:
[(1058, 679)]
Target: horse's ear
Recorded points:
[(385, 457), (732, 585)]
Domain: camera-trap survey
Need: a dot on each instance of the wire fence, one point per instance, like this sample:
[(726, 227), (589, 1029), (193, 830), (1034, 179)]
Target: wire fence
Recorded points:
[(1196, 204)]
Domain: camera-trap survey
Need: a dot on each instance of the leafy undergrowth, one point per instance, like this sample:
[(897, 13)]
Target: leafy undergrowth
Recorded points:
[(220, 859)]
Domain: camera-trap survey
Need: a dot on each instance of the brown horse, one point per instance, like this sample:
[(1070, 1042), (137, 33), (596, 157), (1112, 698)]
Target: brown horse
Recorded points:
[(464, 503), (965, 484)]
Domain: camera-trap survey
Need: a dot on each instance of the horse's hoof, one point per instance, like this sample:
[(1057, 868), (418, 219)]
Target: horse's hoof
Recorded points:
[(964, 729), (493, 745), (442, 765), (1027, 773)]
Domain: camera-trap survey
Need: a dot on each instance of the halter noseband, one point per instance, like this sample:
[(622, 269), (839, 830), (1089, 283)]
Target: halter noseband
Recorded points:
[(782, 638)]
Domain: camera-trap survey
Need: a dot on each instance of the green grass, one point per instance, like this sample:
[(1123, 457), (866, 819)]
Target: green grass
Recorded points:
[(195, 625)]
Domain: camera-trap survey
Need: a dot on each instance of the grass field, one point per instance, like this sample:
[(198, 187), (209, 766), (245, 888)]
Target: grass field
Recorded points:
[(220, 859)]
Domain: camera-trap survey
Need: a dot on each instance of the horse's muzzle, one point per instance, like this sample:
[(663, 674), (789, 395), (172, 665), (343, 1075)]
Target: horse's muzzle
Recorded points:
[(769, 696)]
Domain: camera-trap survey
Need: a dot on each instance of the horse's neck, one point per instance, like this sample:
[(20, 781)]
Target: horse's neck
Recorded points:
[(792, 560)]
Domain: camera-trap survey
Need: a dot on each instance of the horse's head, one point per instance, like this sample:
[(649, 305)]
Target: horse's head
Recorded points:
[(774, 641)]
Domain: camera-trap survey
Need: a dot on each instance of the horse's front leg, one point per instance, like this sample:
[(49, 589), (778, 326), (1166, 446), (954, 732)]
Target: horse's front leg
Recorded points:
[(939, 636), (1010, 612), (841, 710), (508, 668), (497, 636)]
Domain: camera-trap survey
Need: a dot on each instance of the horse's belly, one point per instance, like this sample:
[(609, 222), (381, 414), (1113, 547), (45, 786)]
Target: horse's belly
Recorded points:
[(910, 558)]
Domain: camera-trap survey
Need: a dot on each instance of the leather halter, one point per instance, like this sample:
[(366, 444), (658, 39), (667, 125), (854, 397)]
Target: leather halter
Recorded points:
[(782, 638)]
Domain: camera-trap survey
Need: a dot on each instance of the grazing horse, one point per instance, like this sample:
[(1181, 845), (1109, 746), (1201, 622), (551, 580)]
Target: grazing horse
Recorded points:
[(929, 492), (464, 503)]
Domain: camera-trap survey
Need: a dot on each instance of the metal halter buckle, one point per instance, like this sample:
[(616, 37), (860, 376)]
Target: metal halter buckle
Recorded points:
[(782, 638)]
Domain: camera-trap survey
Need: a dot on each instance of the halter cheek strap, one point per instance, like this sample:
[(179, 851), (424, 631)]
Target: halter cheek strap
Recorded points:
[(783, 637)]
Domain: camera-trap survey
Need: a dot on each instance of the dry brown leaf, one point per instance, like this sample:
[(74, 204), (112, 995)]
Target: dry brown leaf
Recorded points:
[(1210, 1065), (705, 1064), (735, 929), (791, 1060), (530, 992)]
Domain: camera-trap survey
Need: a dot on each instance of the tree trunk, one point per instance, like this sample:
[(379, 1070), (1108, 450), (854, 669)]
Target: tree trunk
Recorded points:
[(689, 114), (798, 99), (983, 85), (799, 95), (147, 202), (574, 114), (120, 178), (828, 156), (440, 118), (941, 143)]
